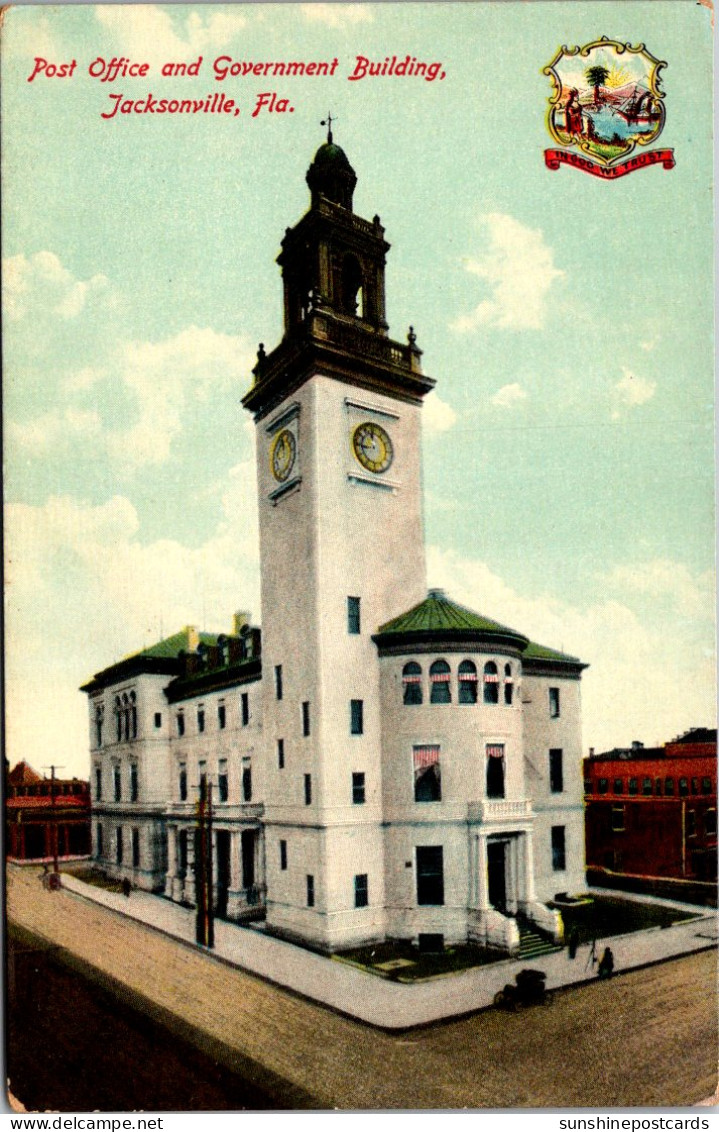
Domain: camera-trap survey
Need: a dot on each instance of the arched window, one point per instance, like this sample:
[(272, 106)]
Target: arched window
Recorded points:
[(126, 716), (133, 715), (412, 683), (467, 682), (508, 684), (491, 683), (439, 677), (352, 298), (495, 770), (99, 718), (118, 717)]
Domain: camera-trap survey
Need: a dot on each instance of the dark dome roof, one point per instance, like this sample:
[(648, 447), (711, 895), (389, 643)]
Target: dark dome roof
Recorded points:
[(331, 154)]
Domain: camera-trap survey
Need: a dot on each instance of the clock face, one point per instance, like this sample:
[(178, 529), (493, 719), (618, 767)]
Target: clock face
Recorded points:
[(372, 447), (282, 454)]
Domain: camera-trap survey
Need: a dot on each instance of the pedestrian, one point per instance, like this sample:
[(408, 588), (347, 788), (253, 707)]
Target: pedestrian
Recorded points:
[(572, 941), (126, 887), (606, 964)]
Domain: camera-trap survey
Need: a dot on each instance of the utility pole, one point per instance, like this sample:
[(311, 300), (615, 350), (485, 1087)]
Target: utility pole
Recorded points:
[(205, 919), (55, 866)]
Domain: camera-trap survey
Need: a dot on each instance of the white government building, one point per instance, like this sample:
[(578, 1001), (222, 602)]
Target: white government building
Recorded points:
[(383, 763)]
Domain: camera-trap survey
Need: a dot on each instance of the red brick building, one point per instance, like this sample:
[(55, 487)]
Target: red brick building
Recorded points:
[(651, 813), (38, 809)]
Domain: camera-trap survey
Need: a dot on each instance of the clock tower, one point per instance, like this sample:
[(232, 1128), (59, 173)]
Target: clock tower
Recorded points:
[(337, 409)]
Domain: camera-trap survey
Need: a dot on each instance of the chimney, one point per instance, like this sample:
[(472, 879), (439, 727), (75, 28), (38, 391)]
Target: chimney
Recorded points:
[(193, 637), (637, 744), (591, 752), (240, 621)]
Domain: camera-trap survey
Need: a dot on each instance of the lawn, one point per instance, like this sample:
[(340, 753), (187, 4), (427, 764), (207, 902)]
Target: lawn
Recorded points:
[(610, 915), (401, 961), (90, 874)]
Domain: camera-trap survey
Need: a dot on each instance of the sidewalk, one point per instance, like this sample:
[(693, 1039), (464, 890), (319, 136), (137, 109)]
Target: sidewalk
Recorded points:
[(394, 1006)]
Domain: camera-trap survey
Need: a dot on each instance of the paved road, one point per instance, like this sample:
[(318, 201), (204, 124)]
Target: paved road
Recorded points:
[(646, 1038)]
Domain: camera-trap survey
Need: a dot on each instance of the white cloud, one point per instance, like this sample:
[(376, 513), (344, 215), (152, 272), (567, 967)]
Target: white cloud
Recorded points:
[(519, 272), (437, 415), (39, 283), (151, 34), (337, 15), (163, 378), (57, 431), (83, 590), (650, 676), (631, 391), (509, 395)]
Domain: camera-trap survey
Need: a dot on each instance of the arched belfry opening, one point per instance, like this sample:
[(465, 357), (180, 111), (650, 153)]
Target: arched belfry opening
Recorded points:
[(351, 290)]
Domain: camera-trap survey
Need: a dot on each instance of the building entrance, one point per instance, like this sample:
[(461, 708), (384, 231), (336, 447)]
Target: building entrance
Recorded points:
[(222, 849), (497, 874)]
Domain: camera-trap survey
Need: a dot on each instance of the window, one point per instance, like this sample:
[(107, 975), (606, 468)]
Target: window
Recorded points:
[(361, 890), (158, 719), (133, 782), (467, 678), (180, 723), (356, 717), (633, 785), (126, 716), (118, 845), (695, 786), (683, 787), (495, 770), (358, 788), (710, 823), (353, 615), (559, 856), (99, 840), (588, 786), (430, 874), (135, 848), (668, 786), (308, 789), (117, 782), (221, 716), (245, 708), (222, 788), (305, 717), (200, 719), (133, 715), (618, 785), (427, 775), (310, 891), (491, 683), (118, 718), (554, 704), (283, 856), (412, 683), (646, 786), (247, 783), (99, 717), (691, 825), (98, 784), (439, 677), (658, 786), (508, 685), (617, 819), (706, 785), (183, 782), (278, 681), (281, 754), (556, 770)]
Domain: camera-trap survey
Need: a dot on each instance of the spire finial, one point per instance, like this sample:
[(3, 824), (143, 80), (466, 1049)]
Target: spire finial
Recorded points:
[(328, 123)]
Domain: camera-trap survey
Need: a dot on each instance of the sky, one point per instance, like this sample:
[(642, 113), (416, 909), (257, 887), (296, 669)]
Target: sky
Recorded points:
[(567, 448)]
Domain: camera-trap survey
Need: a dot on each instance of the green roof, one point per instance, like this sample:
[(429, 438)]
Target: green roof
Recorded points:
[(534, 651), (171, 647), (437, 614)]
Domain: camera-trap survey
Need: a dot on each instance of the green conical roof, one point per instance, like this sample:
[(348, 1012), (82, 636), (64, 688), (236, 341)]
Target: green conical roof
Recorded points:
[(437, 614)]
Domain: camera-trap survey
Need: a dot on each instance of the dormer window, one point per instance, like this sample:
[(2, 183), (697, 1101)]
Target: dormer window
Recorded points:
[(439, 677)]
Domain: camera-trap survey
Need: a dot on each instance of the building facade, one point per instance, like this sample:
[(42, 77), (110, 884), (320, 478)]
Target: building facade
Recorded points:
[(45, 817), (651, 813), (383, 762)]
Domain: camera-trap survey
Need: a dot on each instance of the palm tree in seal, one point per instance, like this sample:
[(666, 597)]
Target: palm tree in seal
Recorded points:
[(596, 76)]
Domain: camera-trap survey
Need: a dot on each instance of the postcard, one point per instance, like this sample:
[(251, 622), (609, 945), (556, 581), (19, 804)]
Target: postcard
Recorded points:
[(360, 674)]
